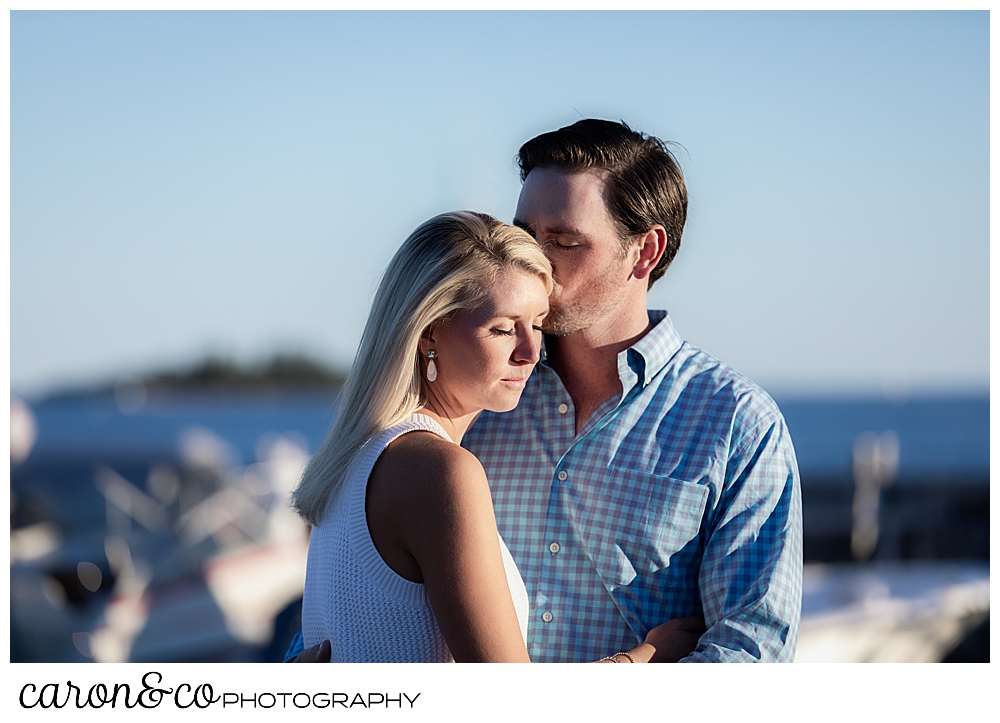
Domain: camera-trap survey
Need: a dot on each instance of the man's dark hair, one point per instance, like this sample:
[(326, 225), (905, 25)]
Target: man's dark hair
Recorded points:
[(643, 181)]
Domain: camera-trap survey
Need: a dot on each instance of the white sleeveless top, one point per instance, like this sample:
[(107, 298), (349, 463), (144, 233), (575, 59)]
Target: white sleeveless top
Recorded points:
[(352, 598)]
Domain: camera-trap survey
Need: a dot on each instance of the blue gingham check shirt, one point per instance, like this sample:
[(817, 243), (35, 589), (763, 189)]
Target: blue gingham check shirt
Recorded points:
[(679, 498)]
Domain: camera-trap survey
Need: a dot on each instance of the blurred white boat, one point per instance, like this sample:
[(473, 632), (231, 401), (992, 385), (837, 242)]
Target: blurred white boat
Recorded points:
[(223, 606)]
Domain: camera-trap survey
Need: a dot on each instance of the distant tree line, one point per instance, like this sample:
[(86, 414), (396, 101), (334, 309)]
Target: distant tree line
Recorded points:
[(280, 370)]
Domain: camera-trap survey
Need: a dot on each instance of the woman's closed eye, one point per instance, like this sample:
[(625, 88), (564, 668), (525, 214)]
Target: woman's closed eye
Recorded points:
[(502, 332)]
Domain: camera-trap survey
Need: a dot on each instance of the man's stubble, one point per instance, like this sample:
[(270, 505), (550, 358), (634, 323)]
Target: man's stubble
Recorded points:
[(593, 301)]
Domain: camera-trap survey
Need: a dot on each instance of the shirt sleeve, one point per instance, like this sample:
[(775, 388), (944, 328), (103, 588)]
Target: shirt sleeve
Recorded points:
[(750, 581), (295, 647)]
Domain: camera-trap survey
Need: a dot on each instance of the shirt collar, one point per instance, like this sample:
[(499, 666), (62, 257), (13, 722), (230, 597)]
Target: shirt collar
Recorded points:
[(646, 358)]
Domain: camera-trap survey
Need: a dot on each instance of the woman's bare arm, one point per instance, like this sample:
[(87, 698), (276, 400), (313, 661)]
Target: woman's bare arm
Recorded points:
[(431, 518)]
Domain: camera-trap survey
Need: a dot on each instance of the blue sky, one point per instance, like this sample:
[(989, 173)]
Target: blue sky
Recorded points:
[(234, 183)]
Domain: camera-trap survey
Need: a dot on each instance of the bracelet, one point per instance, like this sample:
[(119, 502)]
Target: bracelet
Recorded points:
[(611, 658), (627, 655)]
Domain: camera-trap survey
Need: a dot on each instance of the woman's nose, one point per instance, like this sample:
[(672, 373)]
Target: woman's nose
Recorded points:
[(528, 349)]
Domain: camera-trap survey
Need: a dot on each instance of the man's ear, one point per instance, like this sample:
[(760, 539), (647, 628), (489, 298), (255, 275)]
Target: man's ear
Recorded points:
[(651, 246)]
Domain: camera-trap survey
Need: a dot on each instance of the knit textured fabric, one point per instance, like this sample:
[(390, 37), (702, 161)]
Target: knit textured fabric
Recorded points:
[(352, 598)]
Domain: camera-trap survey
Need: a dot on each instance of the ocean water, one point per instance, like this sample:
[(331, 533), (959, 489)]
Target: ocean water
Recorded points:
[(939, 436), (94, 425)]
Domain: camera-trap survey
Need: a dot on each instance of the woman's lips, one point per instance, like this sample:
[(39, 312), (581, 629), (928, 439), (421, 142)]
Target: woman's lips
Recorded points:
[(514, 382)]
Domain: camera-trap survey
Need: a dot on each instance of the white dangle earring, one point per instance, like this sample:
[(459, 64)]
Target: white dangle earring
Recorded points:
[(432, 370)]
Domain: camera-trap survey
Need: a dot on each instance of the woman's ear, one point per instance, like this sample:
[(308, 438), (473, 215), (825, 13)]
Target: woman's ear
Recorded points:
[(427, 339)]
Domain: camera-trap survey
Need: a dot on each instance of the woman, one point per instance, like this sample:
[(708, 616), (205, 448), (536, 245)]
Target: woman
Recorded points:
[(405, 562)]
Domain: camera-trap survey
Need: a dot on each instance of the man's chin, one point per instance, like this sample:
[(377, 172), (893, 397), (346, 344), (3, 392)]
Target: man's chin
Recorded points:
[(560, 326)]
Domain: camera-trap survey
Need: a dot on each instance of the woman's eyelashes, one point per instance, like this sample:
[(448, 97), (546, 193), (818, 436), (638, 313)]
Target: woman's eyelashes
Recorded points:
[(510, 332)]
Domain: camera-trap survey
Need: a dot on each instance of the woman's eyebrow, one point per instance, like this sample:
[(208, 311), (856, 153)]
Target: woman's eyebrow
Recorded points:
[(516, 317)]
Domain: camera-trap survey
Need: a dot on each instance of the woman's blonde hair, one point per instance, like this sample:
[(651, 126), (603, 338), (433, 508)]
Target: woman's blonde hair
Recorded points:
[(447, 264)]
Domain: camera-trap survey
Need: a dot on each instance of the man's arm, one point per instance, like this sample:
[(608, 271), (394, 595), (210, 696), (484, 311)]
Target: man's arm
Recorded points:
[(750, 580)]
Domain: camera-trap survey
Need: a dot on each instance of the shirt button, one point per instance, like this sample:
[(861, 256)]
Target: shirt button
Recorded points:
[(563, 408), (562, 475), (554, 548), (547, 616)]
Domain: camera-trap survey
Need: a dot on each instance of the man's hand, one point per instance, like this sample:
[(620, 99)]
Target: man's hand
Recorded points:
[(675, 638), (316, 654)]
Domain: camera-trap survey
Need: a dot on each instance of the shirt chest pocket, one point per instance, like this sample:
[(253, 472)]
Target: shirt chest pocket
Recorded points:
[(646, 522)]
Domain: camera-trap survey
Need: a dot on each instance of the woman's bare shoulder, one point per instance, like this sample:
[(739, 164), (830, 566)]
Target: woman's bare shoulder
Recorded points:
[(422, 463)]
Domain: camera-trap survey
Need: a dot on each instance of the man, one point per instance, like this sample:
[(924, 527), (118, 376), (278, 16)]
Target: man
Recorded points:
[(639, 479)]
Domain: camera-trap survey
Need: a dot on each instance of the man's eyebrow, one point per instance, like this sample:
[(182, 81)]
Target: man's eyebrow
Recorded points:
[(554, 230), (563, 231)]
